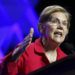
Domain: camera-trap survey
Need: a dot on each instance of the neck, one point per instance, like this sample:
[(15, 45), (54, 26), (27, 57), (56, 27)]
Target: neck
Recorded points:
[(49, 45)]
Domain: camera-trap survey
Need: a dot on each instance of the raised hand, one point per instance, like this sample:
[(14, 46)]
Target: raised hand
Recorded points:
[(21, 46)]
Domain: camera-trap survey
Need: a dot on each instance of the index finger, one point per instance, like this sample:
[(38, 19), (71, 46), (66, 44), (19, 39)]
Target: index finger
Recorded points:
[(31, 32)]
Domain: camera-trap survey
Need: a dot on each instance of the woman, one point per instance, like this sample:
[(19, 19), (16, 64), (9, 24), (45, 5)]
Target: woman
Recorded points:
[(54, 23)]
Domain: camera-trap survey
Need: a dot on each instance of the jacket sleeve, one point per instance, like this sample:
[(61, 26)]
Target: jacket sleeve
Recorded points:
[(9, 67)]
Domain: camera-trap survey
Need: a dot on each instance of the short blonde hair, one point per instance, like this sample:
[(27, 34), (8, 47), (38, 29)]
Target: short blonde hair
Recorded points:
[(51, 9)]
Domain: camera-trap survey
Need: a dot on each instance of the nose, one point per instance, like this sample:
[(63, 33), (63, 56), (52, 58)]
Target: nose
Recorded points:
[(60, 26)]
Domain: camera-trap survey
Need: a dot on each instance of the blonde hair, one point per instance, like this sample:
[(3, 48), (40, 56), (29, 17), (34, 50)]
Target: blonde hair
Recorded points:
[(51, 9)]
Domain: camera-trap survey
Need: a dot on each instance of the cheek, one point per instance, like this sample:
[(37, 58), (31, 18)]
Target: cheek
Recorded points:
[(50, 31), (50, 28), (66, 32)]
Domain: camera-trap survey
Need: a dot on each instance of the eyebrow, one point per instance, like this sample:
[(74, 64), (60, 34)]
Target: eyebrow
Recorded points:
[(58, 19)]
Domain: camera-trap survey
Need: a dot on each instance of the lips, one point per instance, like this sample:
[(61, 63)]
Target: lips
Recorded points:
[(58, 33)]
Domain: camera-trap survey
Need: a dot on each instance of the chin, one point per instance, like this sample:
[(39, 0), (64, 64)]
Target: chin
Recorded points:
[(58, 41)]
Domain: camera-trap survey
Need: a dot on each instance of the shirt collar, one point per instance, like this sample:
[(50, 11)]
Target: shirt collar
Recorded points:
[(38, 46), (40, 49), (60, 54)]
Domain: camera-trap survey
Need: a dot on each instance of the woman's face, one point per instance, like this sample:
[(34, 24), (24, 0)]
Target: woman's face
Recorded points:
[(56, 28)]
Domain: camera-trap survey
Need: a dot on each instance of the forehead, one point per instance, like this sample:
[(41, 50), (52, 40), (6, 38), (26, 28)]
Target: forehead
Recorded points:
[(59, 15)]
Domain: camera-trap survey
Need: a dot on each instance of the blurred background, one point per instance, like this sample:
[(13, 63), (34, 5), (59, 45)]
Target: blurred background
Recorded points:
[(18, 16)]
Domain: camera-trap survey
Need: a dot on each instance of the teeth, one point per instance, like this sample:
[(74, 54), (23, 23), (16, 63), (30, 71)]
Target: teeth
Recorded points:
[(58, 33)]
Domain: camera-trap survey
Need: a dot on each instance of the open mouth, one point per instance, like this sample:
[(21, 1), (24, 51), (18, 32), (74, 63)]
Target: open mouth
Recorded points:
[(58, 33)]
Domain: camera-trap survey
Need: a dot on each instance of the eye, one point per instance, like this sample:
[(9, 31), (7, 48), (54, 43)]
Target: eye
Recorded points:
[(65, 23), (54, 20)]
